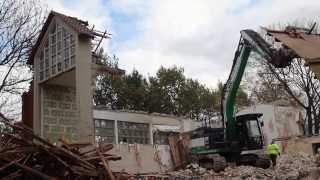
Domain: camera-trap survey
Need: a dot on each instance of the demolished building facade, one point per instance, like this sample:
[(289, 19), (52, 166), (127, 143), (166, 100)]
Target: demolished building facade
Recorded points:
[(64, 67)]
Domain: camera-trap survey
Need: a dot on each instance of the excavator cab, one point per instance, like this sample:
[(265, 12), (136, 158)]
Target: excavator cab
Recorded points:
[(251, 137)]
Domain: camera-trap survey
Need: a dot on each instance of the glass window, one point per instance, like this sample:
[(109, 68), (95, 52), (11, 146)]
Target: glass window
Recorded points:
[(58, 52), (59, 67), (54, 60), (130, 132), (47, 73), (54, 69), (41, 66), (59, 35), (46, 62), (104, 130), (53, 39), (66, 53), (59, 46), (41, 76), (66, 63), (66, 42), (53, 49), (253, 128)]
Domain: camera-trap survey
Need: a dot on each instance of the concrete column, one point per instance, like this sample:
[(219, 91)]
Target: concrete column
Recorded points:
[(41, 111), (36, 106), (151, 133), (116, 135), (83, 89)]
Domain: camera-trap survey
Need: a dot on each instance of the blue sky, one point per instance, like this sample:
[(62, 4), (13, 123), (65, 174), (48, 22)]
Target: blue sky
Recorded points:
[(200, 36)]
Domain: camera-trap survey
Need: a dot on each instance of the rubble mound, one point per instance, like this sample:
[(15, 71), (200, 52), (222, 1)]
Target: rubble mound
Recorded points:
[(296, 166)]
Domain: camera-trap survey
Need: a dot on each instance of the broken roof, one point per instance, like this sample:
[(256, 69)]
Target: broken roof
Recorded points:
[(77, 25), (305, 45)]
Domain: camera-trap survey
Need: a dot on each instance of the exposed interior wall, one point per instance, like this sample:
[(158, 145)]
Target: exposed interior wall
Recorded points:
[(136, 117), (129, 127), (301, 144), (60, 113), (137, 158), (279, 121)]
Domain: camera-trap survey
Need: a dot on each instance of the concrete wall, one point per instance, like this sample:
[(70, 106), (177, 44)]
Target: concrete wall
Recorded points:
[(137, 158), (49, 119), (279, 121), (136, 117), (84, 88), (189, 125), (60, 113), (301, 144), (145, 118)]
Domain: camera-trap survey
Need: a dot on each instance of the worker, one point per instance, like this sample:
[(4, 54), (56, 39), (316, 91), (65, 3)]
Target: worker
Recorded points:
[(273, 152)]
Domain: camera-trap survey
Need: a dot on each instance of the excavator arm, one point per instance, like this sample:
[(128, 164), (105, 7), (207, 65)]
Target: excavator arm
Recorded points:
[(249, 41)]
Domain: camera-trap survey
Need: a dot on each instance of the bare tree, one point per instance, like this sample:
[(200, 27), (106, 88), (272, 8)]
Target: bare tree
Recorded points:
[(296, 82), (20, 22), (300, 84), (261, 84)]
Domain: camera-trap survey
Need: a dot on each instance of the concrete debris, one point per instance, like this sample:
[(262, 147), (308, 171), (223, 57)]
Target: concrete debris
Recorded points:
[(298, 166), (25, 155)]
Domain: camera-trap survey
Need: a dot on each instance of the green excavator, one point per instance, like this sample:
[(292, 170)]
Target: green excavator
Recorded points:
[(240, 140)]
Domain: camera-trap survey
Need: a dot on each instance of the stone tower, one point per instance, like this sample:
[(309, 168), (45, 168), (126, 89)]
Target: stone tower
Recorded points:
[(62, 61)]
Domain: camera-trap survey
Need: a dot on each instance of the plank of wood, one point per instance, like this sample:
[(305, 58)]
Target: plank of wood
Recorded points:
[(106, 165), (173, 142), (32, 171), (104, 148), (10, 164)]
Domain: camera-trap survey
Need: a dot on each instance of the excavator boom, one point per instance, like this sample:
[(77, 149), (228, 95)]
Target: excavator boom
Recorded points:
[(249, 41), (240, 134)]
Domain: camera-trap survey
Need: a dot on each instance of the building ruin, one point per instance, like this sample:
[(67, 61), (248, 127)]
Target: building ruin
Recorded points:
[(65, 65)]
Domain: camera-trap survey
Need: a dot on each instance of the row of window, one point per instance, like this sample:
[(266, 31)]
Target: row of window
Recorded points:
[(128, 132), (58, 53)]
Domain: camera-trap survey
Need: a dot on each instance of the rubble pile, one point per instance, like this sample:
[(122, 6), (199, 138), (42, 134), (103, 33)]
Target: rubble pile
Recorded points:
[(296, 166), (290, 167), (24, 155)]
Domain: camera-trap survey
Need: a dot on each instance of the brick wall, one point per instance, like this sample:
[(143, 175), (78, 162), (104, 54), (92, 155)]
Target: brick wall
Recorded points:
[(60, 113)]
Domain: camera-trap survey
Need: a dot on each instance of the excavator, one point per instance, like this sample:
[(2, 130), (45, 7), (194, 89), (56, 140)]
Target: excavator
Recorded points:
[(240, 140)]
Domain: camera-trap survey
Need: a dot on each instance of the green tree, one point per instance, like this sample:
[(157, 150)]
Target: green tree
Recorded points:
[(110, 92), (190, 98), (135, 91), (168, 92), (168, 83), (242, 99)]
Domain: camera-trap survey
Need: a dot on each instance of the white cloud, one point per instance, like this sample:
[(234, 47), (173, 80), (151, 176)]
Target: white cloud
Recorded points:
[(94, 11), (200, 36)]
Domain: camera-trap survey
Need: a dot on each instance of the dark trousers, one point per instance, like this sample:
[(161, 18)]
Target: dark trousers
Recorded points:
[(273, 158)]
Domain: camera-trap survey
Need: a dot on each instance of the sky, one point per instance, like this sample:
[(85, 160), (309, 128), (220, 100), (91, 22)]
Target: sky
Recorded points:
[(199, 35)]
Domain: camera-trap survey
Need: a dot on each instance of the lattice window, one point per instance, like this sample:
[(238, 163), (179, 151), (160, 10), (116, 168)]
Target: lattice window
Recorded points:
[(129, 132), (104, 131), (58, 54)]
